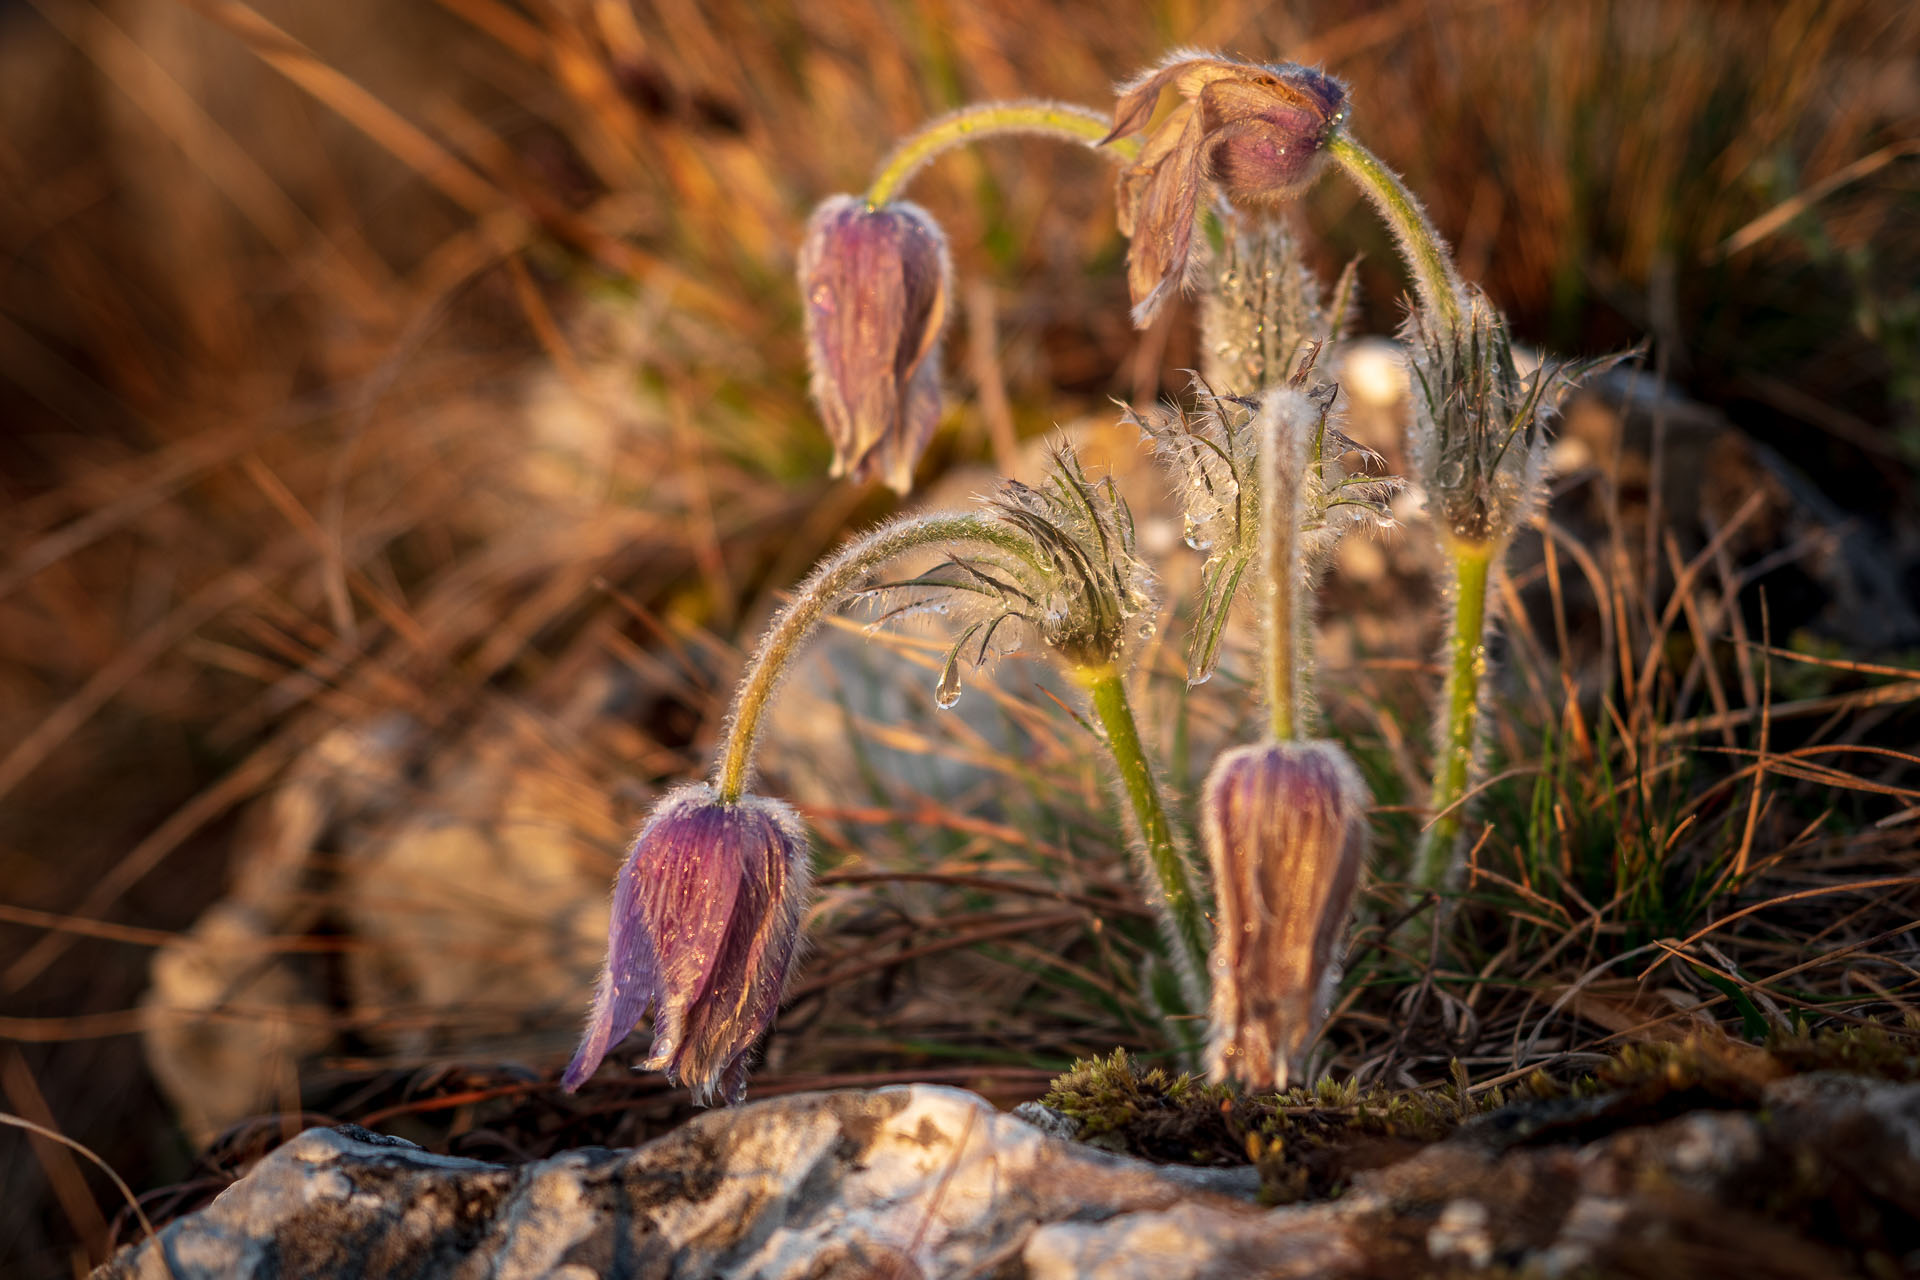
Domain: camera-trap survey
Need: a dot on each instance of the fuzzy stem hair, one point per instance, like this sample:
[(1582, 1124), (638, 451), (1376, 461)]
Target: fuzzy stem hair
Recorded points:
[(827, 584), (1284, 437), (1426, 254), (992, 120), (1456, 752), (1181, 916)]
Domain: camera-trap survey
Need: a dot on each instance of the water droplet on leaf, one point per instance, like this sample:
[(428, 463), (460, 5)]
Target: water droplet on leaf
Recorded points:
[(1196, 536), (947, 692)]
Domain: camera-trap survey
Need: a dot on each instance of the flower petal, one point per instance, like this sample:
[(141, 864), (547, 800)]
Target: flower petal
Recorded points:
[(627, 985), (1190, 69), (750, 963), (1162, 204), (693, 883), (875, 283)]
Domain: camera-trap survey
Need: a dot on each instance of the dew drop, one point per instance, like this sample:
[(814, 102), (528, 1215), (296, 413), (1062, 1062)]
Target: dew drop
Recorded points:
[(1196, 536), (947, 692)]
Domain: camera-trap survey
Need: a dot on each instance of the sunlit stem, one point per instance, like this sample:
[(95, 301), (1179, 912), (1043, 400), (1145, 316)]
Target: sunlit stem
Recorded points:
[(1180, 909), (1434, 274), (824, 588), (1283, 458), (993, 119), (1460, 708)]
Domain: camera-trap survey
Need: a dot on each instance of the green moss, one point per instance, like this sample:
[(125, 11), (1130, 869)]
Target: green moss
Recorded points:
[(1885, 1053), (1306, 1142), (1309, 1141), (1147, 1111)]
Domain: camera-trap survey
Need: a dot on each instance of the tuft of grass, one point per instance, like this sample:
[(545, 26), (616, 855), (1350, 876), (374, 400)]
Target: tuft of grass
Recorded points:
[(349, 379)]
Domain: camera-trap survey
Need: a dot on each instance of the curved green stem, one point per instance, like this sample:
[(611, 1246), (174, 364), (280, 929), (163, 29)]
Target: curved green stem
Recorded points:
[(830, 580), (992, 119), (1460, 709), (1434, 274), (1180, 910)]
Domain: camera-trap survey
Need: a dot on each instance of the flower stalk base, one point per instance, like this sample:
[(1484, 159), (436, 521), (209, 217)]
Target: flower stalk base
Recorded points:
[(1179, 908), (1453, 764)]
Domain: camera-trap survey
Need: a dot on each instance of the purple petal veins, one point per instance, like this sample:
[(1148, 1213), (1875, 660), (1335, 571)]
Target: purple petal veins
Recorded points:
[(705, 926), (875, 283)]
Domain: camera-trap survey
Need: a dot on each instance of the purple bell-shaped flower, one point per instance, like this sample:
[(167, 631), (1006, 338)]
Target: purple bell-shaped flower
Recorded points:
[(875, 284), (705, 926)]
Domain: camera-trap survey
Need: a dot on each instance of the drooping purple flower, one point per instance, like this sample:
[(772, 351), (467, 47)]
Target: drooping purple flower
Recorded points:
[(1256, 132), (705, 925), (1285, 830), (875, 284)]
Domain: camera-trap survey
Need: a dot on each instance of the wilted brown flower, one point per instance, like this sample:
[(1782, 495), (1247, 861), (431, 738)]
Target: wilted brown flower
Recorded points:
[(1285, 829), (875, 283), (1256, 132)]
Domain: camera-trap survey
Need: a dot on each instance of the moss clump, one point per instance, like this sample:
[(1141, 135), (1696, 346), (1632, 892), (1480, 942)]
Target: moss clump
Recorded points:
[(1148, 1111), (1308, 1142), (1884, 1053)]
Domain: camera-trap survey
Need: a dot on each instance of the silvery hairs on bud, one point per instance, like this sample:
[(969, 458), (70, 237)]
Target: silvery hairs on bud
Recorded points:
[(1286, 838), (1212, 453), (1479, 432), (875, 285), (704, 930), (1262, 307), (1082, 592)]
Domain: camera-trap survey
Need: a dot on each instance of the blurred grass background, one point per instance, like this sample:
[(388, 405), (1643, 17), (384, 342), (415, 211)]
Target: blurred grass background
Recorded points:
[(368, 358)]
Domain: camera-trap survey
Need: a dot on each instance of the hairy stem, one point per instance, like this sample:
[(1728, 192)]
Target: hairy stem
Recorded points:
[(1459, 709), (1180, 909), (987, 120), (1283, 460), (831, 580), (1434, 274)]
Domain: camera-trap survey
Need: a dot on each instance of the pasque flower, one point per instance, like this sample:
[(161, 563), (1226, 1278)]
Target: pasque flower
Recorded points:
[(1256, 132), (706, 924), (875, 284), (1285, 830)]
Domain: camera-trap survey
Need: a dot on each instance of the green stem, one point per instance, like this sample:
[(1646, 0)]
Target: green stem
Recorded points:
[(1180, 910), (831, 580), (1283, 457), (992, 119), (1460, 707), (1434, 274)]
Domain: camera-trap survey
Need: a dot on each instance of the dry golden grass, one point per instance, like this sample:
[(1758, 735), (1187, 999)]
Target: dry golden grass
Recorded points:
[(360, 359)]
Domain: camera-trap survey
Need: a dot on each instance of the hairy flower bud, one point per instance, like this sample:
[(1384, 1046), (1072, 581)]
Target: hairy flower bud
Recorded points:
[(1256, 132), (875, 284), (705, 925), (1479, 429), (1065, 577), (1285, 830)]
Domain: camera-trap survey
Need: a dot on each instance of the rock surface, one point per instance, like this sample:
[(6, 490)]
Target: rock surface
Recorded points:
[(1822, 1179)]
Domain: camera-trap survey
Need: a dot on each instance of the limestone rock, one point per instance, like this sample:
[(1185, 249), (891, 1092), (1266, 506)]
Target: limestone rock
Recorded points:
[(1815, 1176), (910, 1181)]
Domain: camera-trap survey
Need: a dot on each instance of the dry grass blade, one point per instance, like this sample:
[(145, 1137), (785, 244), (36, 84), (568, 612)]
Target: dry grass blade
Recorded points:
[(454, 380), (385, 126), (1787, 210), (45, 1134)]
